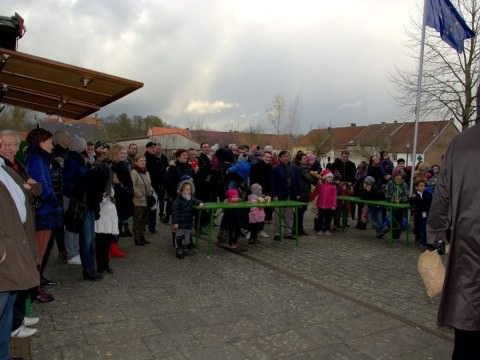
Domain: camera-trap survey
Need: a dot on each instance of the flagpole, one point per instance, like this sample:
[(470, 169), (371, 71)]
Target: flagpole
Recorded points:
[(419, 90)]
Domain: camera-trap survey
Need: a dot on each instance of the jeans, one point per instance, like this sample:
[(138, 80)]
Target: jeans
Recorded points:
[(7, 299), (375, 215), (87, 243), (70, 239)]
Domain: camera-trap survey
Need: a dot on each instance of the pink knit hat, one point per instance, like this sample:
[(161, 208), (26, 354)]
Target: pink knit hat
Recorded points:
[(232, 193)]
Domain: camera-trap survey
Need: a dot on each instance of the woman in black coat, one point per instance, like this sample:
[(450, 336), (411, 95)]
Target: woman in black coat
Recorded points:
[(123, 187)]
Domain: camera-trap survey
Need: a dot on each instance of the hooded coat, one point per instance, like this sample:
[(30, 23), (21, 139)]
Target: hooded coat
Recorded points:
[(455, 208)]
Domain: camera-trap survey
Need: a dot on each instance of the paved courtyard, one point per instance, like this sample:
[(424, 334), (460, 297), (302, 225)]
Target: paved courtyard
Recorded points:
[(349, 296)]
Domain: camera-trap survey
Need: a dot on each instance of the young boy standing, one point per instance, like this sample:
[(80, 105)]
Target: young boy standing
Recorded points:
[(420, 202)]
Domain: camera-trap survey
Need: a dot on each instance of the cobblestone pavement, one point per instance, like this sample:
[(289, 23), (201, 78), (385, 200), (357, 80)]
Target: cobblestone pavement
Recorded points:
[(348, 296)]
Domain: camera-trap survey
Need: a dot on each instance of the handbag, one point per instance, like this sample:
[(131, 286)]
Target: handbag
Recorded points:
[(151, 200), (75, 215)]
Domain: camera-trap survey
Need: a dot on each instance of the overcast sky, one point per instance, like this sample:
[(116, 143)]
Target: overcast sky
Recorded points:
[(222, 61)]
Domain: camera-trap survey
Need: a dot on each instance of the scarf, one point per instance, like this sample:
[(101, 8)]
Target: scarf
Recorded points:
[(141, 170)]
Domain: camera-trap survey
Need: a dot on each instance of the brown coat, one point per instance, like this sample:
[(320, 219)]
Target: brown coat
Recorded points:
[(456, 206), (18, 249)]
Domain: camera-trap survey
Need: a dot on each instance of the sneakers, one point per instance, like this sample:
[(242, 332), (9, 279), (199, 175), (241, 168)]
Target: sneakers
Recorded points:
[(327, 233), (263, 234), (23, 332), (248, 234), (75, 260), (320, 233), (30, 321)]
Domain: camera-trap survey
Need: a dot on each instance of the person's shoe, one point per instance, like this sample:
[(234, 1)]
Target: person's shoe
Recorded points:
[(277, 238), (152, 231), (320, 233), (145, 241), (30, 321), (44, 282), (139, 242), (328, 233), (179, 255), (43, 296), (92, 277), (23, 332), (289, 237), (75, 260), (248, 234), (166, 221), (303, 233), (263, 234)]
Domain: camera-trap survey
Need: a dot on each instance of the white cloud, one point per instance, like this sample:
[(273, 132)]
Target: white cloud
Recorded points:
[(349, 105), (208, 107)]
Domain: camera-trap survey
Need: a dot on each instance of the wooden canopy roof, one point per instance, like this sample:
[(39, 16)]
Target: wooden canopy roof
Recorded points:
[(56, 88)]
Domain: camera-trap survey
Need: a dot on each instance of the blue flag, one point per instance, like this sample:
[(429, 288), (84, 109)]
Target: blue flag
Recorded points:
[(443, 17)]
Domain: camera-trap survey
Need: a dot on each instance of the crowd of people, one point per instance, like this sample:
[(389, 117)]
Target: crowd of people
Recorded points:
[(83, 197)]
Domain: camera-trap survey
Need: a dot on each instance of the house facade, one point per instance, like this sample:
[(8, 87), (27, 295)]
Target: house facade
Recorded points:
[(396, 138)]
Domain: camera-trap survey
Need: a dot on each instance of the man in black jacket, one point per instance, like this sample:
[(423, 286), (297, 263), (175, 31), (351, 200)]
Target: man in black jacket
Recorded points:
[(156, 169), (204, 178), (346, 168)]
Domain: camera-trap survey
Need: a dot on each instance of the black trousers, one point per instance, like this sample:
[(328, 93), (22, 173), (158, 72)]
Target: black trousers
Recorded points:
[(467, 345), (102, 249), (19, 308)]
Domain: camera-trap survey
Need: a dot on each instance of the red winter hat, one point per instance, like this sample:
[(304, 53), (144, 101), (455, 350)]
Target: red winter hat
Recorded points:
[(397, 172), (326, 173)]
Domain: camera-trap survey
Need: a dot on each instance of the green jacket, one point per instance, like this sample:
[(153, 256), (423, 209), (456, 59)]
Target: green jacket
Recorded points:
[(395, 191)]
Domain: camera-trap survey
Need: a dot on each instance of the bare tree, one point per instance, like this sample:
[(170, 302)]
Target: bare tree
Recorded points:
[(276, 113), (231, 126), (450, 80), (292, 124), (254, 134), (195, 123)]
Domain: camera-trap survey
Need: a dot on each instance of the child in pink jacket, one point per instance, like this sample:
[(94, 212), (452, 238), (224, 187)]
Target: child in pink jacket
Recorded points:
[(326, 194)]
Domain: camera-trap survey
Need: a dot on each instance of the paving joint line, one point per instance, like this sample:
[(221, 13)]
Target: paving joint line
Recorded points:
[(342, 295)]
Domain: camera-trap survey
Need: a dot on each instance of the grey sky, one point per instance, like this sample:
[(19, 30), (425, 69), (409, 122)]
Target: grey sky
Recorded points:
[(222, 61)]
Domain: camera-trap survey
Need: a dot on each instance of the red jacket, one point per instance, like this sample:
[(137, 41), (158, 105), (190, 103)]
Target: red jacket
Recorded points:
[(326, 195)]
